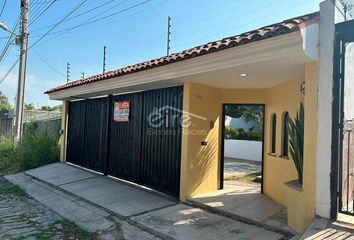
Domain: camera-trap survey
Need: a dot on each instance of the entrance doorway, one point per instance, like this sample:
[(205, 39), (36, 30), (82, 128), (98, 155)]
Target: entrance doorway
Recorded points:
[(242, 146), (240, 193)]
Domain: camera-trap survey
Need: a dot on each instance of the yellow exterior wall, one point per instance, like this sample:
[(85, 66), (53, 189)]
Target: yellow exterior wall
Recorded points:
[(301, 205), (200, 165), (278, 170)]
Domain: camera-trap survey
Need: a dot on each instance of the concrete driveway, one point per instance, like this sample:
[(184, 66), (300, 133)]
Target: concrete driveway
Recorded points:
[(161, 216), (233, 167)]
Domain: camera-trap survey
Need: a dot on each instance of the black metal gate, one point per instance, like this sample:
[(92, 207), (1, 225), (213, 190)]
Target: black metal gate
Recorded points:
[(343, 120), (146, 149), (86, 133)]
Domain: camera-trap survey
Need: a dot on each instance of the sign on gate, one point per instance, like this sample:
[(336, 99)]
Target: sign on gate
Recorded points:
[(121, 111)]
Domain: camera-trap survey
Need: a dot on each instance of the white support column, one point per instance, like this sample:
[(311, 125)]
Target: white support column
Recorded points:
[(329, 15)]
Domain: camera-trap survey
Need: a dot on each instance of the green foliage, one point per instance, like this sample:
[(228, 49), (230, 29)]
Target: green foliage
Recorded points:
[(247, 113), (36, 149), (7, 154), (253, 113), (296, 140), (247, 178), (9, 188), (29, 106), (4, 102), (46, 108), (241, 134)]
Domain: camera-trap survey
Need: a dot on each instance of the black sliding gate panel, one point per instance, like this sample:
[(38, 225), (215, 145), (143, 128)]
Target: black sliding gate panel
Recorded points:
[(161, 142), (75, 139), (342, 175), (95, 135), (145, 150), (125, 140), (86, 135)]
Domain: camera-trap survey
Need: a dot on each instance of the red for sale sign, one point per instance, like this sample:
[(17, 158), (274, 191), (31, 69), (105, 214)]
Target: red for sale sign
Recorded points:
[(121, 111)]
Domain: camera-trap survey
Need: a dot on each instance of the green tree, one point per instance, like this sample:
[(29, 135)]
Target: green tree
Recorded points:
[(247, 113), (46, 108), (57, 107), (29, 106), (4, 102), (253, 113)]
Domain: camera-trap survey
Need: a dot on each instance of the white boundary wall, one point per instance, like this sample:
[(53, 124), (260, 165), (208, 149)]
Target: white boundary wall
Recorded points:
[(243, 149)]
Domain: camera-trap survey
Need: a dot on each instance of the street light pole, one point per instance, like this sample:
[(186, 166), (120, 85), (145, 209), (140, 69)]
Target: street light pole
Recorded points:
[(22, 71)]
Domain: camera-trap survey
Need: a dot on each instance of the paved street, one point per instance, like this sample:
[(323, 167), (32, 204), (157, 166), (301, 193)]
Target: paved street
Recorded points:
[(24, 218), (140, 214), (234, 167)]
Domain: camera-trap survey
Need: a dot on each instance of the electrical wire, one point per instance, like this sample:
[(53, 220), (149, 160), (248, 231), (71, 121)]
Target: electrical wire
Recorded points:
[(58, 23), (8, 45), (3, 7), (8, 72), (46, 63), (92, 20), (41, 13), (78, 15)]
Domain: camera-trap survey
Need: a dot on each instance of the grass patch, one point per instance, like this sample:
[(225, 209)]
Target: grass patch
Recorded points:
[(36, 149), (69, 229), (7, 188), (247, 178)]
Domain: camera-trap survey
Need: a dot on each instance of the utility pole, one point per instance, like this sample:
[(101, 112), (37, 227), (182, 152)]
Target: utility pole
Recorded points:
[(22, 71), (168, 34), (346, 8), (82, 75), (67, 72), (104, 59)]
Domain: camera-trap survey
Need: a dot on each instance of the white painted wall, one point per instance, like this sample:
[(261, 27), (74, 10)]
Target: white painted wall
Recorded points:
[(236, 123), (328, 17), (349, 82), (243, 149)]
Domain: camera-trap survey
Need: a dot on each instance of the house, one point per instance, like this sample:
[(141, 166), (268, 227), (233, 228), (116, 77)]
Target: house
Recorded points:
[(159, 123)]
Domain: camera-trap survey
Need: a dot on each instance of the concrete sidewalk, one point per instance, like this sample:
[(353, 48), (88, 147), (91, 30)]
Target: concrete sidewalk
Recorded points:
[(146, 211)]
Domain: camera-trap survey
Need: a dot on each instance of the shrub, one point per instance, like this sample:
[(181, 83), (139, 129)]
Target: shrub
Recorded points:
[(296, 140), (7, 164), (241, 134), (36, 149)]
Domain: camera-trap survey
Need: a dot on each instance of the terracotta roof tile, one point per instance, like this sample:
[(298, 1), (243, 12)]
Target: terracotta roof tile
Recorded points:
[(263, 33)]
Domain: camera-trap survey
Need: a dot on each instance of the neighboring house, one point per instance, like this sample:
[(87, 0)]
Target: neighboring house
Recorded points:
[(117, 122), (6, 123), (237, 123), (38, 115)]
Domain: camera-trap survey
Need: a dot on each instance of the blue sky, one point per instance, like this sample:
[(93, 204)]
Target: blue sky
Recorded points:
[(134, 33)]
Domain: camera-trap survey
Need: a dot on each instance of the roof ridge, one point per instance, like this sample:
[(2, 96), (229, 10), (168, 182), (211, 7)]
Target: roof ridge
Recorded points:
[(265, 32)]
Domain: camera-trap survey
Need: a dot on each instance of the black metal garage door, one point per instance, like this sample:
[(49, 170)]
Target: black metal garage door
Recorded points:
[(146, 149), (86, 133)]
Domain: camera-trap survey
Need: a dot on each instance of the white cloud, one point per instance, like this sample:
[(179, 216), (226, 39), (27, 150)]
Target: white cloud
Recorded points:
[(34, 91)]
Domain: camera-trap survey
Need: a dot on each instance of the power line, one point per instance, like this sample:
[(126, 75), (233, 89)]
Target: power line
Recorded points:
[(243, 25), (41, 13), (12, 67), (3, 7), (122, 19), (9, 40), (46, 63), (62, 20), (78, 15), (92, 20)]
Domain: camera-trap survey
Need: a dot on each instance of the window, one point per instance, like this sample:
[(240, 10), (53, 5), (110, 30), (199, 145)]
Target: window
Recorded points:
[(285, 136), (273, 132)]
